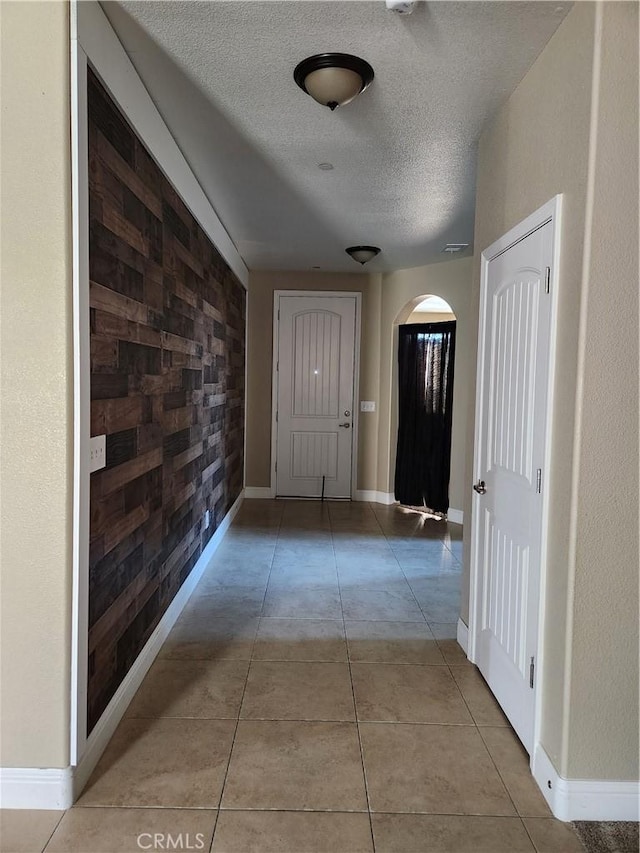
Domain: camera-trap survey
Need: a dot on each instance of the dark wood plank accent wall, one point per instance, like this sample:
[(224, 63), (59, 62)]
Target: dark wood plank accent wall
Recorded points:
[(167, 388)]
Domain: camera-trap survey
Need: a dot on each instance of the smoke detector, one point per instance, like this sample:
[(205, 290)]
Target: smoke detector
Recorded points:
[(402, 7)]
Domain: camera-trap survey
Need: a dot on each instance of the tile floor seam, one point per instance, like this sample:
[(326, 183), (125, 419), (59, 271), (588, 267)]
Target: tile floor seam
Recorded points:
[(407, 580), (292, 811), (48, 841), (355, 708), (213, 834), (529, 836), (495, 764), (244, 689)]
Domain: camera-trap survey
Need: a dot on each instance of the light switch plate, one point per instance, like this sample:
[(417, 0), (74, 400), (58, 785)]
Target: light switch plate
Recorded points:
[(98, 453), (367, 406)]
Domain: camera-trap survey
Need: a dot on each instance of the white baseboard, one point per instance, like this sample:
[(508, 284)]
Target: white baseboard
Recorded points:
[(36, 788), (371, 496), (462, 635), (456, 516), (585, 799), (43, 788), (259, 492)]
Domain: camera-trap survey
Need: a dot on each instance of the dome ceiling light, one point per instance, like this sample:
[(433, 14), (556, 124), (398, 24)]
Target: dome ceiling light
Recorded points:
[(333, 79), (362, 254)]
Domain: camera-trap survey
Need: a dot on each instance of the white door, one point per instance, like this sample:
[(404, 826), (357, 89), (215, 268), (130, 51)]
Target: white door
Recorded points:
[(513, 369), (315, 395)]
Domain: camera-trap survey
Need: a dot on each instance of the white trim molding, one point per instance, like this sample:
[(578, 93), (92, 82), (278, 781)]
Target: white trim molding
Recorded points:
[(455, 516), (36, 788), (371, 496), (462, 635), (585, 799), (259, 492)]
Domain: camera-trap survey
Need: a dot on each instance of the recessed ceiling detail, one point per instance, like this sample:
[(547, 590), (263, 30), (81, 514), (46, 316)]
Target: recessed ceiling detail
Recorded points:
[(404, 152), (452, 248)]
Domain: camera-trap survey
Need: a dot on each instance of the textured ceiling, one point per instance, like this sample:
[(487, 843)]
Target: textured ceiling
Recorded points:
[(221, 74)]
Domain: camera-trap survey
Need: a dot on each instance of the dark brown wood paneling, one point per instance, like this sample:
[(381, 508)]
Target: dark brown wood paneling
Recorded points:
[(167, 388)]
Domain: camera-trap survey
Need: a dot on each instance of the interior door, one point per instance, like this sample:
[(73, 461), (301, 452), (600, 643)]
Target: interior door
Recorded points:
[(315, 395), (510, 449)]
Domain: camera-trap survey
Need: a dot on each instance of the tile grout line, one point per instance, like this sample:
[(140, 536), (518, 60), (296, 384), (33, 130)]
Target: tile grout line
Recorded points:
[(53, 832), (355, 705), (506, 787), (244, 689)]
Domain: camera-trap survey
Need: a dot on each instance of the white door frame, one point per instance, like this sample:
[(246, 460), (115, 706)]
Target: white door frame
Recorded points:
[(356, 376), (549, 212)]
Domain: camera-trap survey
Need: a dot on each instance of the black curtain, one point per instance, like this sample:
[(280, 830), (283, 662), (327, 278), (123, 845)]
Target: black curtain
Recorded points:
[(425, 360)]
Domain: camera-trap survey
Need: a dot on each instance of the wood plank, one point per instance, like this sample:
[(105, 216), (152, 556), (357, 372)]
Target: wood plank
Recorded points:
[(115, 303), (109, 416), (124, 229), (178, 419), (178, 344), (110, 479), (189, 455), (104, 352), (210, 469), (124, 526), (120, 169)]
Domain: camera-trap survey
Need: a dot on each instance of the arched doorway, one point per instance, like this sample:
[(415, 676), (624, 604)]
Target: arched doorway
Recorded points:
[(424, 343)]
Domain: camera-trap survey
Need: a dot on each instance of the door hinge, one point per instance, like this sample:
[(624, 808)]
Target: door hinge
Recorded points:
[(547, 280), (275, 467), (532, 667), (277, 366), (539, 480), (276, 417)]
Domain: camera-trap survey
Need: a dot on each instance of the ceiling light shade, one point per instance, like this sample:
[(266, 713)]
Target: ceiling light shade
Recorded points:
[(362, 254), (333, 79)]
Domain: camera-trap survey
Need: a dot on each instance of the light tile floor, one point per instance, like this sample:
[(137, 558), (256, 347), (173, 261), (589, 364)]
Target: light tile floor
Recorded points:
[(312, 699)]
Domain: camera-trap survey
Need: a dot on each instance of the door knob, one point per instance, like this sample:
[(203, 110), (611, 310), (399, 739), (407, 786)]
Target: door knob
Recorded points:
[(345, 425), (480, 487)]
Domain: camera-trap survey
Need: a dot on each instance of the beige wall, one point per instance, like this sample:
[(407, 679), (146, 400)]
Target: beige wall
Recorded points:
[(260, 364), (540, 144), (401, 291), (36, 449), (603, 702)]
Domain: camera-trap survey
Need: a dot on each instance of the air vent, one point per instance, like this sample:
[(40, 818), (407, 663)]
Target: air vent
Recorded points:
[(450, 248)]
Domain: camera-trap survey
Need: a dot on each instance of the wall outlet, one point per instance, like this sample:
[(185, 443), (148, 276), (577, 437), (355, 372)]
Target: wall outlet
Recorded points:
[(207, 519), (97, 453), (367, 406)]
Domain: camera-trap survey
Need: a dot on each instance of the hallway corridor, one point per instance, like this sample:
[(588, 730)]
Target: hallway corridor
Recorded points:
[(312, 697)]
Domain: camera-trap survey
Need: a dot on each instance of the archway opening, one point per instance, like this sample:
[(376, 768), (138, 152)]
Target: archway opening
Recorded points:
[(425, 348)]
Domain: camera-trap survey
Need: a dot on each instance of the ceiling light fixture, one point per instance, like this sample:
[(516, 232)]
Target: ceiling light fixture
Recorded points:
[(326, 167), (362, 254), (333, 79)]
